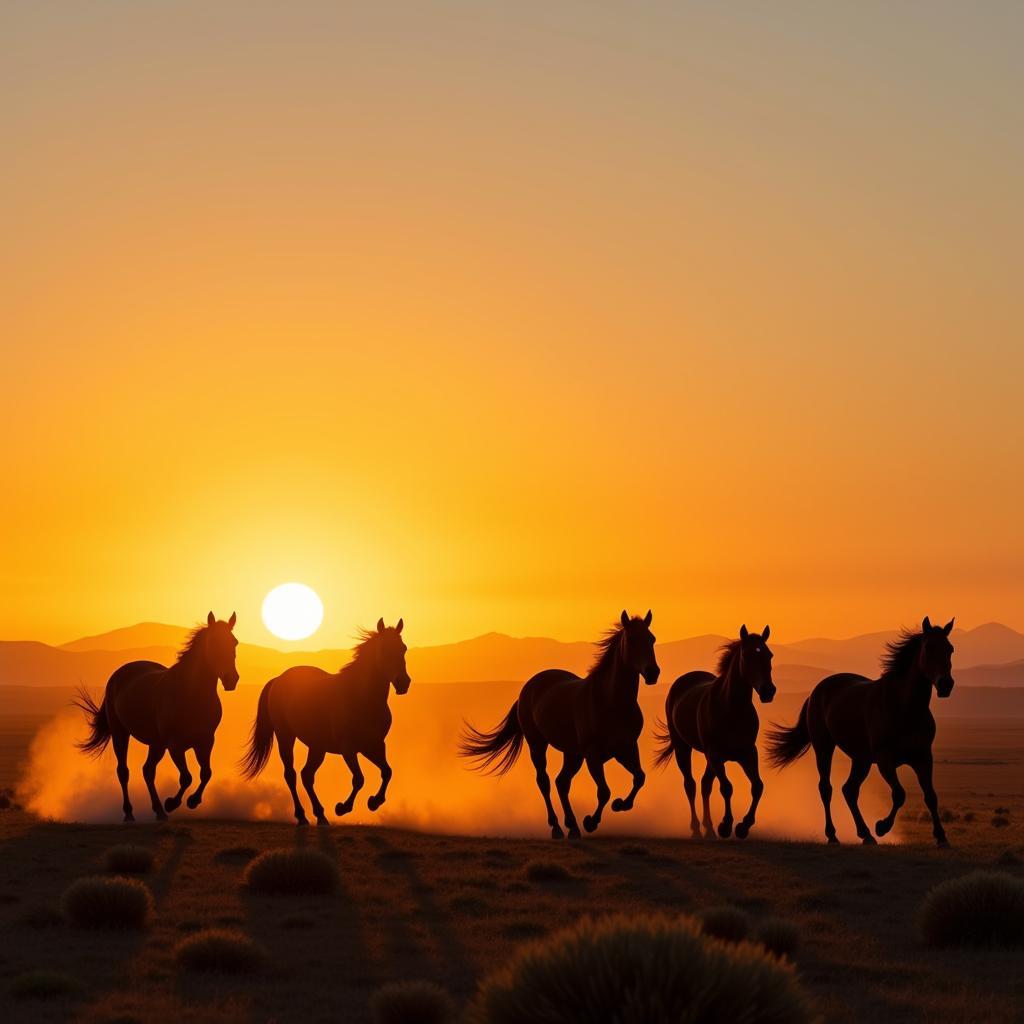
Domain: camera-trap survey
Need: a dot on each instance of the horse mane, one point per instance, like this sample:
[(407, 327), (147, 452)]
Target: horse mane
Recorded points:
[(192, 642), (901, 653), (365, 637), (607, 648), (726, 655)]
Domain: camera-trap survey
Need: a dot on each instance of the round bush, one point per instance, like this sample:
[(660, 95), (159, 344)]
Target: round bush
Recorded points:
[(411, 1002), (727, 923), (128, 860), (640, 970), (781, 938), (292, 871), (984, 908), (547, 871), (220, 951), (107, 903)]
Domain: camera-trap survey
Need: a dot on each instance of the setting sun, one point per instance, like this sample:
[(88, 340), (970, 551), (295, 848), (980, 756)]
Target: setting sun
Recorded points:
[(292, 611)]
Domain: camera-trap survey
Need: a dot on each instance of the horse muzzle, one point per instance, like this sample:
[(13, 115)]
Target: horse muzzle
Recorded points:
[(230, 682), (651, 675), (944, 687), (402, 685)]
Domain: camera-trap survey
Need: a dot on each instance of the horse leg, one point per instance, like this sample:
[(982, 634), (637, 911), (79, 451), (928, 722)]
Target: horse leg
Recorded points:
[(887, 769), (750, 769), (923, 770), (203, 751), (595, 765), (630, 760), (172, 803), (725, 788), (823, 756), (684, 759), (707, 780), (352, 760), (314, 759), (571, 764), (286, 749), (378, 756), (120, 742), (153, 758), (539, 757), (851, 790)]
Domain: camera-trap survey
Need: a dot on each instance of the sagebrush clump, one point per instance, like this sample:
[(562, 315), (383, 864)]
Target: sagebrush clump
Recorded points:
[(727, 923), (779, 937), (984, 908), (220, 951), (128, 859), (104, 902), (294, 872), (640, 970)]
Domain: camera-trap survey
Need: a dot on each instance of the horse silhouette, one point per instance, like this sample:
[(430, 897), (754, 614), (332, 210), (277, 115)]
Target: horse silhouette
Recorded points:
[(887, 722), (345, 713), (715, 715), (173, 709), (594, 719)]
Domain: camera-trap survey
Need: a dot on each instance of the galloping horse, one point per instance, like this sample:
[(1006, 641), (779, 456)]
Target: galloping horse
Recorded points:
[(593, 719), (345, 713), (170, 709), (886, 722), (715, 715)]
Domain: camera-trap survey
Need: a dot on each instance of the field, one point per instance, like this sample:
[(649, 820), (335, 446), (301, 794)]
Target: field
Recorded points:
[(450, 908)]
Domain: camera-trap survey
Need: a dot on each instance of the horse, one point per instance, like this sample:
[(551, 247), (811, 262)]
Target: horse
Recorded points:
[(595, 719), (173, 710), (715, 714), (887, 722), (342, 713)]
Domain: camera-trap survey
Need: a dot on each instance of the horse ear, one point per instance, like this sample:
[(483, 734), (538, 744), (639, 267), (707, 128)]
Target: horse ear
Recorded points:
[(927, 624), (401, 623), (380, 625), (232, 621), (211, 619), (743, 632), (649, 617), (948, 627), (624, 617), (767, 632)]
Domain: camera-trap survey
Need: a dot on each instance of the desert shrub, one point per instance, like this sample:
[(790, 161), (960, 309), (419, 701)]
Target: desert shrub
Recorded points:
[(1002, 810), (292, 871), (779, 937), (1000, 822), (984, 908), (633, 850), (42, 985), (727, 923), (947, 816), (220, 951), (107, 903), (640, 970), (235, 855), (1008, 858), (128, 859), (968, 816), (547, 871), (411, 1002)]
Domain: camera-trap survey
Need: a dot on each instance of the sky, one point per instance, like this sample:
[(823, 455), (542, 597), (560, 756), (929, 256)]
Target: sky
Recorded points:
[(506, 316)]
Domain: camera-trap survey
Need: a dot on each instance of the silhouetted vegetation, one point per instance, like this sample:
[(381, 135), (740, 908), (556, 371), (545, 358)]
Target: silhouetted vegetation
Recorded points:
[(727, 923), (128, 859), (411, 1002), (547, 871), (984, 908), (780, 937), (220, 951), (107, 903), (43, 984), (1000, 822), (292, 871), (235, 855), (650, 969)]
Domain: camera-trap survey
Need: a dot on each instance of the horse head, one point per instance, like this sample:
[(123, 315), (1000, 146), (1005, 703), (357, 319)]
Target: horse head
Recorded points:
[(391, 652), (936, 657), (220, 646), (756, 663), (637, 649)]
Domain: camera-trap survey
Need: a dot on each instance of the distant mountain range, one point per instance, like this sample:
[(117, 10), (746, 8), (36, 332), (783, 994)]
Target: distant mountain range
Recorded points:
[(989, 655)]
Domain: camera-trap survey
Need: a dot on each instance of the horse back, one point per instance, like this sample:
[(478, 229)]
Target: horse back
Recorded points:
[(132, 699), (682, 704)]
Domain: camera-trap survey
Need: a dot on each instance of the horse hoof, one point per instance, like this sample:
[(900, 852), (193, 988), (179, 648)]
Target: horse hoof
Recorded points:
[(742, 830), (301, 822), (725, 830), (590, 823), (556, 832), (709, 832), (869, 840), (160, 816), (374, 802), (129, 816), (832, 841), (574, 833), (618, 804), (882, 828), (171, 804), (341, 810), (322, 822), (193, 802), (943, 843)]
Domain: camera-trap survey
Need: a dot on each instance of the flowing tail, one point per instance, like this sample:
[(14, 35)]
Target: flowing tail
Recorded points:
[(99, 727), (787, 745), (494, 752), (664, 748), (260, 740)]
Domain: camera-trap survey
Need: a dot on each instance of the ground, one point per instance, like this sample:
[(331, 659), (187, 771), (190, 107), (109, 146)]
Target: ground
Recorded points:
[(450, 909)]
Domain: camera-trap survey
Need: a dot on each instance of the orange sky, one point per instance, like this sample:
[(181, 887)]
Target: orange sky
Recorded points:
[(505, 317)]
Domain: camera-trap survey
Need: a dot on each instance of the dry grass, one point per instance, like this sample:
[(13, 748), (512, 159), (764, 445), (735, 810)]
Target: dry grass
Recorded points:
[(779, 937), (107, 903), (220, 951), (128, 859), (984, 908), (727, 923), (544, 870), (292, 872), (411, 1002)]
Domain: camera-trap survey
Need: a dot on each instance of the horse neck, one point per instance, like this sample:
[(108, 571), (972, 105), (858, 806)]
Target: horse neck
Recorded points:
[(732, 685), (371, 683), (911, 691), (194, 674), (615, 683)]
